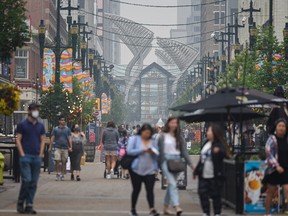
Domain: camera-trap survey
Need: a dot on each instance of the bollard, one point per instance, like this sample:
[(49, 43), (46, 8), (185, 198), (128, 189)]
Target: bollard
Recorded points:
[(1, 168)]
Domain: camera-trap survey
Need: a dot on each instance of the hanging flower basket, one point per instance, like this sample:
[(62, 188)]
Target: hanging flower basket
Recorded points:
[(9, 99)]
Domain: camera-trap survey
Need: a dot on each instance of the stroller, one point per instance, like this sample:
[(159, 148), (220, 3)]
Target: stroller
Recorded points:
[(117, 168)]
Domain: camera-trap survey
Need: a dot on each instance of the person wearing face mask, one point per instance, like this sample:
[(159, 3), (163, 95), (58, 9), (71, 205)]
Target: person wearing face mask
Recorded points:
[(30, 143), (78, 141)]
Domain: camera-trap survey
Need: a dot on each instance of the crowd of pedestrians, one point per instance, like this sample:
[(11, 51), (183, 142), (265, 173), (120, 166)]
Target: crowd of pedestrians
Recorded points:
[(162, 149)]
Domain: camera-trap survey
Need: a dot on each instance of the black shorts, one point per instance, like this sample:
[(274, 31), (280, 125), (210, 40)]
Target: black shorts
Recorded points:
[(277, 178)]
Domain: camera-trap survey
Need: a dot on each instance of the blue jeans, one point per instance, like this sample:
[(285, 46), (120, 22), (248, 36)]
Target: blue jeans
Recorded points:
[(30, 166), (172, 190)]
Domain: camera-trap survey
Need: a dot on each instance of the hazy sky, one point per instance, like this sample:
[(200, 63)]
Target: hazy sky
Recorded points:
[(149, 15)]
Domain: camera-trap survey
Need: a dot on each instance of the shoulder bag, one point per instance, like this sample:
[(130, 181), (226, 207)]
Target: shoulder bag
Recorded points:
[(176, 166), (127, 160)]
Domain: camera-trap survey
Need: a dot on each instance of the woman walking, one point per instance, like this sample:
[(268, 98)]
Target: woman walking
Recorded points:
[(143, 167), (210, 170), (123, 142), (110, 140), (78, 141), (277, 162), (172, 148)]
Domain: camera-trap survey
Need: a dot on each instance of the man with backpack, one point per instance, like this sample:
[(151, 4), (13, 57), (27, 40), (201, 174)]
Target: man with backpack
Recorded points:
[(61, 137)]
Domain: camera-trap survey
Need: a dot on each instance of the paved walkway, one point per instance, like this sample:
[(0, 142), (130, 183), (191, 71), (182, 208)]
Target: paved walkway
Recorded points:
[(92, 196)]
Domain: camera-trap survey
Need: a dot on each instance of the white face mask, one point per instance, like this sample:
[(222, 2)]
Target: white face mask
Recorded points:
[(35, 114)]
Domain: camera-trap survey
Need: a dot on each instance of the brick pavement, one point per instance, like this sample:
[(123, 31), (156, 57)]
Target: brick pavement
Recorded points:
[(93, 196)]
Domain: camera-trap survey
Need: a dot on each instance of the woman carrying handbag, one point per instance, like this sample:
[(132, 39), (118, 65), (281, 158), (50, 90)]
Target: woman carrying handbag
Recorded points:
[(172, 149), (210, 170)]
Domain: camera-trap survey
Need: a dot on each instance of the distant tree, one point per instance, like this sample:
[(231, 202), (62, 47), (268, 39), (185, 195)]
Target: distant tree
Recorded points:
[(265, 67), (13, 29), (54, 102)]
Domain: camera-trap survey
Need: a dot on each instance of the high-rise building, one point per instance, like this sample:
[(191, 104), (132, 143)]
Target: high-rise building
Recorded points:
[(280, 9), (213, 20), (194, 30), (109, 41), (183, 13)]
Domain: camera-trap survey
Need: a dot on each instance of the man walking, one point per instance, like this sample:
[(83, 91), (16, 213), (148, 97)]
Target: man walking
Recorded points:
[(61, 137), (30, 144)]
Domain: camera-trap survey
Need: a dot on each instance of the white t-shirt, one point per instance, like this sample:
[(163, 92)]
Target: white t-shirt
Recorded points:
[(170, 145), (206, 157)]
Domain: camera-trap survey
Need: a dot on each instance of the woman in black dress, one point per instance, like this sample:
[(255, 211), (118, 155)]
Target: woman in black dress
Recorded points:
[(78, 141), (277, 162)]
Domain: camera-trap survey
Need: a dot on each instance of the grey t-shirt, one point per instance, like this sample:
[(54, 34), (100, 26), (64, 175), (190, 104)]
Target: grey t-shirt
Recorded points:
[(61, 137)]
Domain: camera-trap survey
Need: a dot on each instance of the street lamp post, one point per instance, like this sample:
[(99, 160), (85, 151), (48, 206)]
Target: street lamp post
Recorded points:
[(253, 35), (83, 47), (97, 74), (69, 8), (236, 26), (74, 30)]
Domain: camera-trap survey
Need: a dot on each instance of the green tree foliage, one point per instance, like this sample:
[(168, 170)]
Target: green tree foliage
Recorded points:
[(117, 112), (265, 67), (54, 102), (13, 29)]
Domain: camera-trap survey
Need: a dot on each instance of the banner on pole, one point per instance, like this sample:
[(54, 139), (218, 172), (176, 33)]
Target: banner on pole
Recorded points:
[(66, 72), (48, 69)]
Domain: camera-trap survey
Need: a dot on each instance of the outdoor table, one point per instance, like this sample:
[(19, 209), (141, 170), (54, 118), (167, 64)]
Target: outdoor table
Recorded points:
[(14, 160)]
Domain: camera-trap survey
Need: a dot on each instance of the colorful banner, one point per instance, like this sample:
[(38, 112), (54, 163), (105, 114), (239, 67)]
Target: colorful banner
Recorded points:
[(48, 68), (87, 84), (104, 104), (66, 72), (254, 192)]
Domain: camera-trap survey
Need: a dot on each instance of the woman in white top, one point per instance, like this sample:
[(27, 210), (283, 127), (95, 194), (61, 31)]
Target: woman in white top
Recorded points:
[(210, 170), (172, 147)]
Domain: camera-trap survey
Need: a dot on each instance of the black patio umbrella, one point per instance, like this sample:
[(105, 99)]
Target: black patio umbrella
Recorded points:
[(220, 115), (231, 97)]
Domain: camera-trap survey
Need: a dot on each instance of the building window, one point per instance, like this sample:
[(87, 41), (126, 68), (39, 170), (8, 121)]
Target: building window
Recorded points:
[(197, 8), (81, 18), (216, 54), (217, 2), (196, 39), (197, 29), (81, 3), (21, 64), (217, 17), (197, 18)]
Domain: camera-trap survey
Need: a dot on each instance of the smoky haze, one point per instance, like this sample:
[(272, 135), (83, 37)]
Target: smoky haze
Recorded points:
[(149, 15)]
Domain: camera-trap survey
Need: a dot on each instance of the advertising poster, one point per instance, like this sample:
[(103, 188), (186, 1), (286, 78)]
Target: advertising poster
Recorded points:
[(66, 70), (48, 69), (254, 191)]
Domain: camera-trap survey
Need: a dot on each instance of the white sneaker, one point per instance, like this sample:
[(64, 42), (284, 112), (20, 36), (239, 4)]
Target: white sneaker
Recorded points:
[(57, 177), (268, 215), (112, 173), (108, 176)]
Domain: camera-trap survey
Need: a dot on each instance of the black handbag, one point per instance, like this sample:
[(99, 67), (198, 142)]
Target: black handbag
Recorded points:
[(176, 166), (127, 161)]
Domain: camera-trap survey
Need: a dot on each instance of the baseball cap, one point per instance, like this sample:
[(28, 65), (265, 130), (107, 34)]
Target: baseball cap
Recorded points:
[(33, 106)]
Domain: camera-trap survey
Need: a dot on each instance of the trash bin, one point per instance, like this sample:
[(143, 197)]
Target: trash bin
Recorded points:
[(1, 168)]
